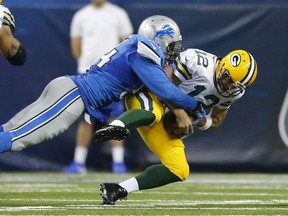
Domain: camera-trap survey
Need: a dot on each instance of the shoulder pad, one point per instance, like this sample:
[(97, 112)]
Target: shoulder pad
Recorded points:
[(185, 64), (147, 51)]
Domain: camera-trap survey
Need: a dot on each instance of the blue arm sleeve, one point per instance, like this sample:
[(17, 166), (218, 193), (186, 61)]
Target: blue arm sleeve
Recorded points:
[(156, 80)]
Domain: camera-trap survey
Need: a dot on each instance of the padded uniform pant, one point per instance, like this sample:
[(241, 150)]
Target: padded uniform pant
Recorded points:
[(58, 106), (170, 150)]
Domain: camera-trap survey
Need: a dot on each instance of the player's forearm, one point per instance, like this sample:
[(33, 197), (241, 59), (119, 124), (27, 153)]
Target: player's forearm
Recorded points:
[(11, 48), (8, 44)]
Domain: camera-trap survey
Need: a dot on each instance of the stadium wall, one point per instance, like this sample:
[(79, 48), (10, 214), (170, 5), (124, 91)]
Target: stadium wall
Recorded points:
[(252, 138)]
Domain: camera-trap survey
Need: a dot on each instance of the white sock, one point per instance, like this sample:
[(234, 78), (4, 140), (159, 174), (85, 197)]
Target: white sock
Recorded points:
[(117, 123), (131, 185), (118, 153), (80, 154)]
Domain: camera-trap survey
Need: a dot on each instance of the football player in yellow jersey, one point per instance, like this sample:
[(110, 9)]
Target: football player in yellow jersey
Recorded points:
[(10, 46), (215, 82)]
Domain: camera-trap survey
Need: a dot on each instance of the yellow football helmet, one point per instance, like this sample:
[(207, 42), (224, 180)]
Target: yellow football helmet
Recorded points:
[(241, 67)]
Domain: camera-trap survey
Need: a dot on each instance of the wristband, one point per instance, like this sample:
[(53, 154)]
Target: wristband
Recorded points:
[(19, 58), (207, 124)]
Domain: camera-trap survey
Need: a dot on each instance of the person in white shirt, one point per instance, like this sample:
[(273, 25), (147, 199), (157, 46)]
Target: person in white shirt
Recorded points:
[(95, 29)]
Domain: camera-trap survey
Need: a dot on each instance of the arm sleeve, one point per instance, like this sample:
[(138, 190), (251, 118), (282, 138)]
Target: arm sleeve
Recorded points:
[(155, 79)]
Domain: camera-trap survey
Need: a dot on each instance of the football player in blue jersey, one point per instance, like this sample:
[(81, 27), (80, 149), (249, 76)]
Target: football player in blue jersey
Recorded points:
[(216, 82), (136, 62), (10, 46)]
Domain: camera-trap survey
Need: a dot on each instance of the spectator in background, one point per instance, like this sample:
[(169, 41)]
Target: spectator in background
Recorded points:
[(10, 47), (96, 28)]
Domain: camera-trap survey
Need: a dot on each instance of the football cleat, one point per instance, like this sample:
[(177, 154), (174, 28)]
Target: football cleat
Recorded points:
[(111, 132), (111, 192)]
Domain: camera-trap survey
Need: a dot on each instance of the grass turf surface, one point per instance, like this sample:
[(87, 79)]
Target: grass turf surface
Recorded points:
[(201, 194)]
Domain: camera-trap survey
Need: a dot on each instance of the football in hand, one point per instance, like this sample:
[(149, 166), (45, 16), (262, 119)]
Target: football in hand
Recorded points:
[(169, 123)]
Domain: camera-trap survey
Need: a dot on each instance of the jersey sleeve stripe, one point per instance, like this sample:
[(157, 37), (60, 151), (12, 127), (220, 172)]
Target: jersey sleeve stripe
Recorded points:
[(8, 19), (183, 71)]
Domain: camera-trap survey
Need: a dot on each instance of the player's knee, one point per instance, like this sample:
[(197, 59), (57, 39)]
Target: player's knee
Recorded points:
[(185, 172), (158, 115), (182, 171)]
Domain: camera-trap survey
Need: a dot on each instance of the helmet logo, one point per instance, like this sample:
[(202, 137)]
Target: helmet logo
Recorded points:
[(165, 30), (235, 59)]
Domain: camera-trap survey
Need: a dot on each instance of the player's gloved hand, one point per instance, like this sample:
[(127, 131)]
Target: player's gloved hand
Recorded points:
[(199, 113), (8, 19)]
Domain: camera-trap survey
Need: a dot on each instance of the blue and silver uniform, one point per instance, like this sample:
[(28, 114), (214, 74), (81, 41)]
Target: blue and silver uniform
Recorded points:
[(134, 63)]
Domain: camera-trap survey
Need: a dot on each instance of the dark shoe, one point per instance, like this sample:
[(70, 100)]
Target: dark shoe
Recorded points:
[(111, 192), (111, 132)]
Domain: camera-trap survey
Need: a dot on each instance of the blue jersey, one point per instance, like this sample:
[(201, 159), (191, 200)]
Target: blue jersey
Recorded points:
[(133, 64)]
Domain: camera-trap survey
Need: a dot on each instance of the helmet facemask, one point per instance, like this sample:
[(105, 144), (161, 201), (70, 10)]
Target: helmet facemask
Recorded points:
[(172, 52), (223, 78)]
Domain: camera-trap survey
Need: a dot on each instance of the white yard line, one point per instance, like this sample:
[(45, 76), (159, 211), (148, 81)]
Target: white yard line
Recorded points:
[(142, 207)]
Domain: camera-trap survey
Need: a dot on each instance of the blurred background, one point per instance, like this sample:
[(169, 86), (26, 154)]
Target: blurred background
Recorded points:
[(253, 137)]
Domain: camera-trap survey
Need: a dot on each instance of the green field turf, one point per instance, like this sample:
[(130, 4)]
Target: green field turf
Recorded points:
[(201, 194)]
